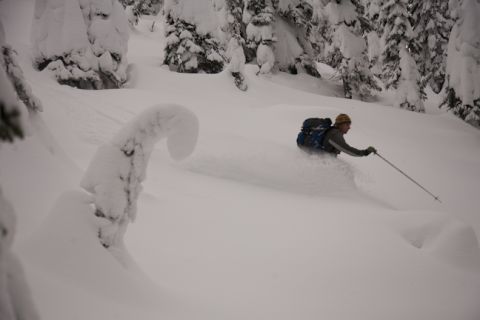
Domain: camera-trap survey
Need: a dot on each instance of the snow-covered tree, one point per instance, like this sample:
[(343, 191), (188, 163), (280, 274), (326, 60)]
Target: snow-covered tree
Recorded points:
[(189, 47), (146, 7), (236, 64), (463, 64), (16, 77), (374, 45), (116, 172), (399, 69), (234, 11), (15, 298), (322, 35), (347, 39), (259, 16), (83, 42), (296, 42), (12, 111), (432, 26), (136, 8)]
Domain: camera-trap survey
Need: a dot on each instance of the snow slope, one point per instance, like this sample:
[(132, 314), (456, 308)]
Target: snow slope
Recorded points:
[(248, 226)]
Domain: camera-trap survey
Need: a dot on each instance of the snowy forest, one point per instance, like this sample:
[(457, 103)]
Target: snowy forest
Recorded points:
[(234, 222), (376, 45)]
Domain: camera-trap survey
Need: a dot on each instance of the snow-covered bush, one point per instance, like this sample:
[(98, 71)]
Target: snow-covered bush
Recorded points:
[(83, 42), (116, 172), (189, 47), (463, 64)]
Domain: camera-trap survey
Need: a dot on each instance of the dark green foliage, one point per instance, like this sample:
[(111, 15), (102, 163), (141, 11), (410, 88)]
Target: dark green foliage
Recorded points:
[(464, 111), (10, 123), (15, 75), (187, 51), (235, 25), (301, 18), (395, 23), (147, 7), (432, 26), (262, 12)]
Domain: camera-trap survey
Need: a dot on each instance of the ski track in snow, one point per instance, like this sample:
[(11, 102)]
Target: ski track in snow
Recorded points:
[(275, 166)]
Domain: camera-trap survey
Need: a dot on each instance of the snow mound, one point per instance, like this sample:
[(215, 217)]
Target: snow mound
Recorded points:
[(274, 166), (67, 246), (443, 237)]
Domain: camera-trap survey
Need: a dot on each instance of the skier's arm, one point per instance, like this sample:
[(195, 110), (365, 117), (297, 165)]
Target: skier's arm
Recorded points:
[(339, 143)]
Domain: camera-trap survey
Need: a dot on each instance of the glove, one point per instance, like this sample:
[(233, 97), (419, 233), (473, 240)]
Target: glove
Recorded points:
[(370, 150)]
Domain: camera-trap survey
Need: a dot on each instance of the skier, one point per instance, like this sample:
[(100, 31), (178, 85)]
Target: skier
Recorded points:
[(334, 143)]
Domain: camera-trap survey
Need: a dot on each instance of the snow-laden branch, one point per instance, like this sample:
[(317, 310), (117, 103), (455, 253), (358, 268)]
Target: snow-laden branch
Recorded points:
[(116, 172)]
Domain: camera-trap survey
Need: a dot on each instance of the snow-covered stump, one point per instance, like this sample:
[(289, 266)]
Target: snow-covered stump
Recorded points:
[(116, 172)]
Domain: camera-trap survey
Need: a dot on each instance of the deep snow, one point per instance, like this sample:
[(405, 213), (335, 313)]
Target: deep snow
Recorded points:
[(248, 226)]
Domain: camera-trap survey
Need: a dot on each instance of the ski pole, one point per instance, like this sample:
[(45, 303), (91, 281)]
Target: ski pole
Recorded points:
[(418, 184)]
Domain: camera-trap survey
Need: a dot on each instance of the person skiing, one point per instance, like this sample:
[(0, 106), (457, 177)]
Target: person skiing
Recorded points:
[(334, 143)]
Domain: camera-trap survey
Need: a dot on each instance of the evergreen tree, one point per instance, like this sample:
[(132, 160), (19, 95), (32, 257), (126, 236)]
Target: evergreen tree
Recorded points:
[(15, 75), (236, 33), (259, 16), (12, 112), (298, 16), (323, 35), (188, 50), (432, 27), (147, 7), (348, 42), (399, 68), (15, 296), (374, 45), (236, 29), (86, 46), (463, 64)]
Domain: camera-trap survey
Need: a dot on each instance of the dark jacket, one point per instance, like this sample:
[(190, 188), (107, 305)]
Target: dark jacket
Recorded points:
[(335, 143)]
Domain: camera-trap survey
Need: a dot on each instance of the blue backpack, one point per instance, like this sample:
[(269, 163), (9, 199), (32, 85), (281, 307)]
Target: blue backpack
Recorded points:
[(313, 133)]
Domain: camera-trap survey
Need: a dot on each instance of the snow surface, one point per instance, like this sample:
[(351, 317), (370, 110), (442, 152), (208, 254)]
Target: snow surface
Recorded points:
[(247, 226)]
